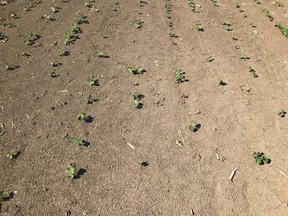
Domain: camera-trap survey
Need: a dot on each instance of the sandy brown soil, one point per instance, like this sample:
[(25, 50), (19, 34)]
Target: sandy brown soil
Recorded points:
[(38, 113)]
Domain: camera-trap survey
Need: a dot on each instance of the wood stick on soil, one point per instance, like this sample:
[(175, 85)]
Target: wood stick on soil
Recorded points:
[(192, 212), (232, 174), (181, 136), (283, 174), (130, 145)]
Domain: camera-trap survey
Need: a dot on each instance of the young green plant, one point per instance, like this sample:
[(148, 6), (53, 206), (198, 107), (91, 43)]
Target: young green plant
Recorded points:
[(71, 171), (198, 26), (180, 76), (136, 100), (91, 81), (267, 13), (89, 99), (74, 140), (282, 113), (10, 154), (135, 70), (82, 116), (193, 127), (138, 24), (260, 158)]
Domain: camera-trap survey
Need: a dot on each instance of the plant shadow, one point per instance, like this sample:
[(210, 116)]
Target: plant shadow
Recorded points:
[(80, 173), (89, 119), (9, 197)]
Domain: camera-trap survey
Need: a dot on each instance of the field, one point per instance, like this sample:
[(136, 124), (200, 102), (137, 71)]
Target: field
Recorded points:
[(133, 107)]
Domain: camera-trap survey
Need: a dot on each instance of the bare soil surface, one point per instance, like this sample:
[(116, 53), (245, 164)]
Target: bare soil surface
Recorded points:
[(145, 160)]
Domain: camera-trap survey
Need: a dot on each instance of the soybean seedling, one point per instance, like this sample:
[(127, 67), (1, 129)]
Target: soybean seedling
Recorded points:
[(210, 59), (54, 9), (228, 26), (80, 18), (91, 81), (88, 3), (82, 116), (278, 3), (168, 8), (10, 154), (99, 54), (54, 64), (260, 158), (48, 17), (171, 34), (138, 24), (3, 194), (193, 127), (71, 171), (89, 99), (253, 72), (61, 52), (69, 37), (75, 29), (53, 74), (222, 83), (8, 66), (29, 38), (14, 15), (267, 13), (214, 2), (6, 25), (136, 100), (283, 29), (74, 140), (135, 70), (244, 57), (141, 3), (143, 163), (179, 76), (238, 5), (282, 113), (198, 26), (192, 5)]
